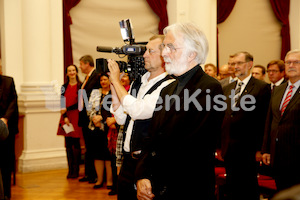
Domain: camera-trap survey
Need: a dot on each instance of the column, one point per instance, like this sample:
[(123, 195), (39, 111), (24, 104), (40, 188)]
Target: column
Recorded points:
[(33, 55), (203, 13)]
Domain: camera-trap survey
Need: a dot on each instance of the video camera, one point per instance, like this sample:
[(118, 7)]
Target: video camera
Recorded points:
[(134, 52)]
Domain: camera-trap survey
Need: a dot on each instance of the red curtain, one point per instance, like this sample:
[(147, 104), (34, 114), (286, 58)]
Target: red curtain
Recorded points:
[(281, 9), (67, 21), (160, 8), (224, 8)]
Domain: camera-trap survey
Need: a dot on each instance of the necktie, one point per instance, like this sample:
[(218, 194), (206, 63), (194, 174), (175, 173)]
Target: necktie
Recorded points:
[(273, 87), (80, 106), (85, 81), (237, 92), (287, 99)]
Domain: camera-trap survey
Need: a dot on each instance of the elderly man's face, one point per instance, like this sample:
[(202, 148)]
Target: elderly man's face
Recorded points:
[(292, 66), (174, 54)]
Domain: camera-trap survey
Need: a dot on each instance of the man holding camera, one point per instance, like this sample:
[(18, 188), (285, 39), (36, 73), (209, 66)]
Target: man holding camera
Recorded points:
[(135, 110)]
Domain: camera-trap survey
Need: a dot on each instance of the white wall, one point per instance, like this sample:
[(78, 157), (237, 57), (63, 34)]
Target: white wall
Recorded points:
[(253, 27), (295, 24), (96, 23)]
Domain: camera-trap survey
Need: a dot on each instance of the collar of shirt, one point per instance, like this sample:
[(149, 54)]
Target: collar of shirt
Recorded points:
[(278, 82), (297, 84), (184, 78), (146, 76), (232, 79), (91, 72)]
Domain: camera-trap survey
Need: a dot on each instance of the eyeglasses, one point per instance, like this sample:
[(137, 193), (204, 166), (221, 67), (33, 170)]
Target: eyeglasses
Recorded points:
[(170, 47), (237, 63), (151, 51), (272, 71), (296, 62)]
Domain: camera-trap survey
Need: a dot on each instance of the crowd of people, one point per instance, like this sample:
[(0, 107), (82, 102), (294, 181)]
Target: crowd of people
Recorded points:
[(148, 142), (147, 138)]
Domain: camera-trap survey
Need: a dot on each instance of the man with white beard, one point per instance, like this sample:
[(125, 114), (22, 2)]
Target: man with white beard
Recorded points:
[(180, 137)]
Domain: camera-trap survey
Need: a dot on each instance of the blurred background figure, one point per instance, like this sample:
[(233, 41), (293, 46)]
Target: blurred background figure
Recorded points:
[(276, 73), (91, 82), (259, 72), (231, 71), (223, 72), (211, 70)]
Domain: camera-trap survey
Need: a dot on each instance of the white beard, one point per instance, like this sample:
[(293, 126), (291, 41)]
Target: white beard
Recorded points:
[(177, 67)]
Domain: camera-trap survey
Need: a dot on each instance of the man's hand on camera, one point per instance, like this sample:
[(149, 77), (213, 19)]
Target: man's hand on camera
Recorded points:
[(114, 75)]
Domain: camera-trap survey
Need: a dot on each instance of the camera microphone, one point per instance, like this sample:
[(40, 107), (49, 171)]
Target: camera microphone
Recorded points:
[(105, 49)]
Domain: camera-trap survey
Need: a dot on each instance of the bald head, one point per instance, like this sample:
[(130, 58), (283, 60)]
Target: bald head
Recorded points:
[(223, 72)]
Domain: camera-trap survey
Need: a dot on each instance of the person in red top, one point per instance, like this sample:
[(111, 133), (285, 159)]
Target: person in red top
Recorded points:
[(69, 119)]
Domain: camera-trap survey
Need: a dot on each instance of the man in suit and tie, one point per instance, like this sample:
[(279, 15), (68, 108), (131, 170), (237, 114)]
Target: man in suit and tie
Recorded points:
[(91, 82), (9, 115), (281, 145), (243, 129), (178, 163)]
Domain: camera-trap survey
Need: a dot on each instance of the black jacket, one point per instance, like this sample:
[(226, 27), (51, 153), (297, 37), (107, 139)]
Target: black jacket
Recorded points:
[(180, 141), (92, 83)]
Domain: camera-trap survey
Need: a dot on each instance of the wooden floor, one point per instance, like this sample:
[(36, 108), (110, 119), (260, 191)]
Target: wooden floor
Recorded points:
[(53, 185)]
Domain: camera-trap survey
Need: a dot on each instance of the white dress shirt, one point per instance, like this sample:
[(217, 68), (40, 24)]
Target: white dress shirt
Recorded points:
[(141, 107), (297, 84), (277, 83)]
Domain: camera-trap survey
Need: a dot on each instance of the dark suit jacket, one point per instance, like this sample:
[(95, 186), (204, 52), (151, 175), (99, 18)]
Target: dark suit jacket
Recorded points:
[(224, 82), (180, 141), (9, 103), (8, 110), (92, 83), (282, 133), (242, 131)]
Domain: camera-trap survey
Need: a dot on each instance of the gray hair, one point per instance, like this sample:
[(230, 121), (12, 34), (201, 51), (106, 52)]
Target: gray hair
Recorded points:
[(292, 52), (194, 39)]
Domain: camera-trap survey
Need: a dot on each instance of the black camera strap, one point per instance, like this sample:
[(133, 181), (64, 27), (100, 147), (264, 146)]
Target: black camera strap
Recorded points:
[(137, 86)]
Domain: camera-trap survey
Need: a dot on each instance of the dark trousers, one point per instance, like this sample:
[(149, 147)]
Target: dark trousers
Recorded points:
[(89, 165), (114, 172), (241, 179), (73, 151), (7, 162), (126, 181)]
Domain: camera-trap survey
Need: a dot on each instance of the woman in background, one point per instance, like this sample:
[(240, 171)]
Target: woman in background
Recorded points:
[(69, 119), (98, 113)]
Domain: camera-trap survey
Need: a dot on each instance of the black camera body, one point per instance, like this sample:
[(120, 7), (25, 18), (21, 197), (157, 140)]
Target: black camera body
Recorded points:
[(134, 52)]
